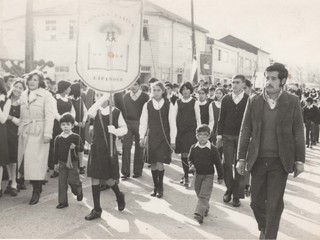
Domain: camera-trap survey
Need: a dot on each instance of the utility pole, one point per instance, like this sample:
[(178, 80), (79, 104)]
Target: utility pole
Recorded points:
[(29, 37)]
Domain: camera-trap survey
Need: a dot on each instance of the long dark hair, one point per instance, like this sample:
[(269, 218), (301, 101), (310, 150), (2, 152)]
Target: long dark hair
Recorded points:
[(161, 85), (2, 87), (42, 84), (21, 81)]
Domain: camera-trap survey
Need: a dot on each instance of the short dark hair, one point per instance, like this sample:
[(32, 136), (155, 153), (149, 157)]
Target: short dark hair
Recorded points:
[(7, 76), (309, 100), (66, 118), (2, 87), (204, 89), (42, 84), (144, 87), (169, 85), (188, 85), (280, 68), (175, 85), (243, 78), (248, 83), (152, 80), (212, 87), (49, 79), (203, 128)]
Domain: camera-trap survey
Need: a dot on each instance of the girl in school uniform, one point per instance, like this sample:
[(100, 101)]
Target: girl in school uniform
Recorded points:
[(64, 105), (204, 105), (12, 133), (214, 113), (81, 115), (188, 117), (5, 105), (102, 167), (158, 119)]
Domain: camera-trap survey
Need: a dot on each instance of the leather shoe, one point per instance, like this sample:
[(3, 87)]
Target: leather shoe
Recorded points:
[(104, 187), (14, 192), (236, 202), (198, 217), (35, 197), (154, 192), (227, 197), (62, 205), (54, 174), (136, 176), (160, 193), (81, 170), (93, 215), (121, 202)]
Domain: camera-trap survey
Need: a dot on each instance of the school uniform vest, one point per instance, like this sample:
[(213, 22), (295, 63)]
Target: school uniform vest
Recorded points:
[(186, 117), (204, 112)]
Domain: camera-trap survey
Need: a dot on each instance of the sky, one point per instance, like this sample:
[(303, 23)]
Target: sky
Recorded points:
[(288, 29)]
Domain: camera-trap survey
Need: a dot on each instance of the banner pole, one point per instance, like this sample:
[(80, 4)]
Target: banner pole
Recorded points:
[(111, 123)]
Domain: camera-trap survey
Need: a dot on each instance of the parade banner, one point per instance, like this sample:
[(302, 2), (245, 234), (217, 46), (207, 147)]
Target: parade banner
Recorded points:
[(206, 63), (109, 43)]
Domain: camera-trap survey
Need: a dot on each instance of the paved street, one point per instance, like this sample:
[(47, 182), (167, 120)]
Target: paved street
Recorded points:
[(147, 217)]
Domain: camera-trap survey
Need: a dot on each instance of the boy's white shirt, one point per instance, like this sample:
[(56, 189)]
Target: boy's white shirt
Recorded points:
[(207, 145), (143, 127)]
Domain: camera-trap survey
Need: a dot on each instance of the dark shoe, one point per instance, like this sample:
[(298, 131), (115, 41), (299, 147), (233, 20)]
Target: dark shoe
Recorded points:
[(80, 196), (14, 192), (8, 190), (35, 198), (93, 215), (81, 170), (44, 182), (104, 187), (247, 191), (21, 185), (206, 213), (160, 193), (186, 182), (121, 202), (124, 177), (54, 174), (62, 205), (136, 176), (154, 192), (227, 197), (236, 202), (182, 180), (198, 217)]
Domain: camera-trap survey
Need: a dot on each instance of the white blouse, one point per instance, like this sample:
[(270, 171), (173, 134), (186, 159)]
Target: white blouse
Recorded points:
[(157, 105), (122, 126), (211, 113)]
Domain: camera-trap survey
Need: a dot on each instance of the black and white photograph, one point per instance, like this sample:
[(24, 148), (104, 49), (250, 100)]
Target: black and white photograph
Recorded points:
[(159, 119)]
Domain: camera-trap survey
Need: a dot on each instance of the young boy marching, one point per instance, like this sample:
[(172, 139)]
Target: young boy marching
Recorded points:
[(68, 151), (202, 158)]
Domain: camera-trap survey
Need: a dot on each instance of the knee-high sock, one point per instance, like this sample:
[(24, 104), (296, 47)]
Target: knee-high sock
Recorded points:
[(155, 177), (185, 166), (116, 190), (96, 197), (160, 174)]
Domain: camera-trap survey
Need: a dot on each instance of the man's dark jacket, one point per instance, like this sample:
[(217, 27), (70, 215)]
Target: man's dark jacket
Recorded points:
[(290, 131)]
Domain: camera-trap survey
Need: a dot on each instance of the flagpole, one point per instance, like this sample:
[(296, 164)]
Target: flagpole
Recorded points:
[(194, 65)]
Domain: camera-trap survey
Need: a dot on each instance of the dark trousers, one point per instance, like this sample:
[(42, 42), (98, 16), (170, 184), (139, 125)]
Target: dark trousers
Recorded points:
[(71, 177), (203, 186), (267, 189), (233, 180), (310, 132), (50, 157), (316, 132), (133, 132)]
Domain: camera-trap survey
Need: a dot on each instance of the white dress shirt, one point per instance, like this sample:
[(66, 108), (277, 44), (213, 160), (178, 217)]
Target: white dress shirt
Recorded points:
[(211, 114), (143, 127), (237, 98), (207, 145), (122, 126), (272, 103), (135, 96)]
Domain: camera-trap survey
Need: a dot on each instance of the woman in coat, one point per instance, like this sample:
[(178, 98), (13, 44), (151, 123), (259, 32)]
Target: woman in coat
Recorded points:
[(35, 131)]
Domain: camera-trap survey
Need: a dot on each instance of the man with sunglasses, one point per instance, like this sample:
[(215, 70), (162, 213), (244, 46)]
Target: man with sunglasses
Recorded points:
[(271, 145), (229, 123)]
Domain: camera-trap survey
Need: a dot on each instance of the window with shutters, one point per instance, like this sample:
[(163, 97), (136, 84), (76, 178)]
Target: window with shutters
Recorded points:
[(51, 30)]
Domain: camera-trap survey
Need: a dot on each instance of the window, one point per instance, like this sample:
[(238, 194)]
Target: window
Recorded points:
[(51, 27), (219, 55), (72, 29), (62, 69), (145, 30)]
